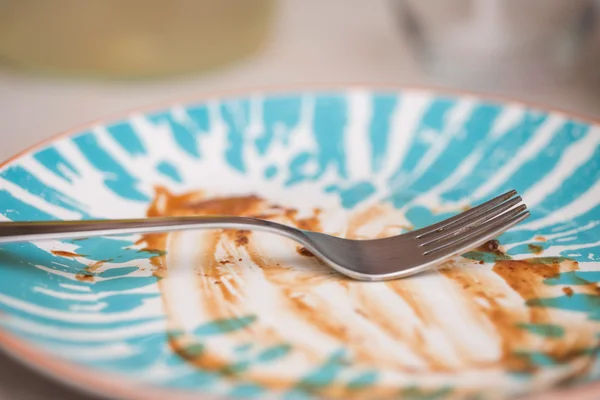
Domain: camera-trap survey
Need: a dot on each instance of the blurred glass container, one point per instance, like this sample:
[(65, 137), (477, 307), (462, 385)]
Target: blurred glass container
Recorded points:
[(486, 43), (130, 38)]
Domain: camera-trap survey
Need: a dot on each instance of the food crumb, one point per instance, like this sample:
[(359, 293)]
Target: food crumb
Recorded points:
[(481, 262), (490, 245), (568, 291)]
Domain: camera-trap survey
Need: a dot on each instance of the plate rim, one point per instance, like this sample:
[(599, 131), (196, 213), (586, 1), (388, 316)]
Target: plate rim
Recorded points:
[(107, 384)]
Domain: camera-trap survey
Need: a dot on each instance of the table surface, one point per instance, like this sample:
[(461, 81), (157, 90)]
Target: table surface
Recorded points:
[(349, 41)]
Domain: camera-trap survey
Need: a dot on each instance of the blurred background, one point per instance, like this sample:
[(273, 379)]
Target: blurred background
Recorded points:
[(68, 62)]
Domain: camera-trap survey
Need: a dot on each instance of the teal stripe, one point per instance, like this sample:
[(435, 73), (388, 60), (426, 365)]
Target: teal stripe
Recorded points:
[(329, 121), (124, 134), (199, 116), (29, 182), (282, 113), (236, 116), (355, 194), (296, 168), (496, 154), (51, 158), (584, 236), (433, 121), (573, 187), (546, 159), (186, 137), (170, 170), (18, 210), (470, 137), (116, 176)]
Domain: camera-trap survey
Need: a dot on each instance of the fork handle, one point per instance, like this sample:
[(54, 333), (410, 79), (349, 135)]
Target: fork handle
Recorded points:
[(44, 230)]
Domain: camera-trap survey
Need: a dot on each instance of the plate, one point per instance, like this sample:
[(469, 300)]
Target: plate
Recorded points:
[(245, 314)]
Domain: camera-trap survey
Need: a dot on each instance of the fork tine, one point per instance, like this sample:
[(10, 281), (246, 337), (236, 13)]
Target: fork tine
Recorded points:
[(478, 235), (473, 211), (470, 222)]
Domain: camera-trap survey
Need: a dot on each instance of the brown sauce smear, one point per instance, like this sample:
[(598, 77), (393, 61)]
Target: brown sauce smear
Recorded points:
[(493, 247), (217, 287), (504, 319), (526, 278), (84, 277), (489, 246), (62, 253)]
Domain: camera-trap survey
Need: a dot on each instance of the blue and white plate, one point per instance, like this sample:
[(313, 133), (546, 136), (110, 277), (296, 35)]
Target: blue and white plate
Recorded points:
[(241, 314)]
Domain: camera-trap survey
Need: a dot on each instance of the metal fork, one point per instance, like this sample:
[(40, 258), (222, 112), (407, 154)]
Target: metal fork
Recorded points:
[(369, 260)]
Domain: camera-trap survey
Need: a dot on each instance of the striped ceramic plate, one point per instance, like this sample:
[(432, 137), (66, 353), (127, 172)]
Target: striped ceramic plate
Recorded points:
[(241, 314)]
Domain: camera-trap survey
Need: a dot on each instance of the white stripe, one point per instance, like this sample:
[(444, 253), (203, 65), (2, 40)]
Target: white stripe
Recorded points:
[(403, 126), (90, 296), (87, 307), (502, 125), (37, 202), (92, 190), (78, 288), (49, 179), (556, 250), (462, 171), (572, 158), (54, 271), (558, 235), (112, 351), (455, 125), (137, 167), (579, 206), (585, 227), (356, 138), (541, 138), (510, 117), (253, 130)]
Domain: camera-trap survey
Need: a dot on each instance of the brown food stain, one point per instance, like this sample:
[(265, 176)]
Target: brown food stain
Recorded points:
[(493, 247), (489, 246), (241, 237), (96, 265), (535, 249), (62, 253), (568, 291), (303, 251), (503, 319), (526, 277), (217, 288), (361, 219), (84, 277)]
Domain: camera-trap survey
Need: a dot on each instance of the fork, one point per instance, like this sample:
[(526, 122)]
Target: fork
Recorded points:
[(368, 260)]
